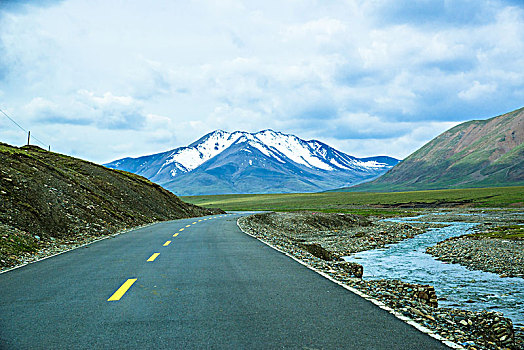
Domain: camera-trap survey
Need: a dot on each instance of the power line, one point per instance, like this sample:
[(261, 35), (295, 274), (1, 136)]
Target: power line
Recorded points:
[(21, 128), (11, 119), (42, 143)]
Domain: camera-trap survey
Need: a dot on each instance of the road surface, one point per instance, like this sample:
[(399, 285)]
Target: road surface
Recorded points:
[(192, 283)]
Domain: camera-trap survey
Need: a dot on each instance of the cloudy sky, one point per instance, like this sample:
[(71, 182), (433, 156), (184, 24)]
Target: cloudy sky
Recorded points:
[(104, 79)]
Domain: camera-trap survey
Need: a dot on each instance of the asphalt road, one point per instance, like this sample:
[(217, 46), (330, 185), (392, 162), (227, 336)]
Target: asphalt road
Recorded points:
[(211, 287)]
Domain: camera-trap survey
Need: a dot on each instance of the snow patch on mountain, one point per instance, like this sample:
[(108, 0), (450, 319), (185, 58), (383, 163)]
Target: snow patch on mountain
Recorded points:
[(269, 142), (217, 163), (199, 152), (369, 164), (293, 148), (312, 154)]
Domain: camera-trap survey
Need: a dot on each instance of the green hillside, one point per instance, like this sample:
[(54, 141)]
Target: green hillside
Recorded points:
[(478, 153)]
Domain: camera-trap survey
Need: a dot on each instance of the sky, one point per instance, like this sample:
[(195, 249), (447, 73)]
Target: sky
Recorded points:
[(107, 79)]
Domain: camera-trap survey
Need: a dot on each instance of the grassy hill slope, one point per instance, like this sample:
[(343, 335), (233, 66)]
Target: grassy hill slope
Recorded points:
[(478, 153), (45, 196)]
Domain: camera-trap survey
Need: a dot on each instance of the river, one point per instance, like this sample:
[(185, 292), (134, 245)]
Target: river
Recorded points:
[(455, 285)]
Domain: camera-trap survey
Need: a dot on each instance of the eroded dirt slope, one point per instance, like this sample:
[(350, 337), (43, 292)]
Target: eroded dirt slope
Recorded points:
[(46, 196)]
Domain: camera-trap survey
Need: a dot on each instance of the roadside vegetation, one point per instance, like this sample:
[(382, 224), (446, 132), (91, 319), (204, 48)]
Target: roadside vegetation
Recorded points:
[(368, 203)]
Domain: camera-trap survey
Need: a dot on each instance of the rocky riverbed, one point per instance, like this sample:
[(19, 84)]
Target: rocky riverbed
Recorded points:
[(341, 234), (503, 257), (319, 240), (497, 245)]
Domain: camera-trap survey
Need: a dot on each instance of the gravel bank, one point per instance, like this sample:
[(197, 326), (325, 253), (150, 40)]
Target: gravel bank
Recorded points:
[(486, 217), (480, 250), (296, 233), (341, 234), (503, 257)]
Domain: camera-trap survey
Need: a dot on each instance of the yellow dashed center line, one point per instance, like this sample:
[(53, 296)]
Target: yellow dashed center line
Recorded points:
[(122, 290), (193, 223), (167, 243), (188, 225), (153, 257), (181, 230), (199, 220), (176, 234)]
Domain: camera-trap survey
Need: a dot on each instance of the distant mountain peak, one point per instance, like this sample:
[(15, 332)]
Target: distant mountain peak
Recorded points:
[(280, 154)]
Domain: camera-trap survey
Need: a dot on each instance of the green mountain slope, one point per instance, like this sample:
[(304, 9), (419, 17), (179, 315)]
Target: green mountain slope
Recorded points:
[(46, 196), (478, 153)]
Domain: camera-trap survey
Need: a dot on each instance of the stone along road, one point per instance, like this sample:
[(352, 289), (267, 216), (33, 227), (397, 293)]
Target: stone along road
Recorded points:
[(192, 283)]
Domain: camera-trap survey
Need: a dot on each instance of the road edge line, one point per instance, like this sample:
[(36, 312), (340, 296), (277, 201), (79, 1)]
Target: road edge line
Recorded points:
[(378, 303), (88, 243)]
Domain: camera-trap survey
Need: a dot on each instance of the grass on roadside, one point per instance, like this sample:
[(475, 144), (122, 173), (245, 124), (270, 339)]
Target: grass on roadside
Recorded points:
[(13, 244)]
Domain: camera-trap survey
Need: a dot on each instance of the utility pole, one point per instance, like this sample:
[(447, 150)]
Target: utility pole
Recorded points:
[(28, 137), (49, 148)]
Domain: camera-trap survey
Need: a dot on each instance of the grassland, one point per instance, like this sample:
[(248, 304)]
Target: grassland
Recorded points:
[(367, 203), (508, 232)]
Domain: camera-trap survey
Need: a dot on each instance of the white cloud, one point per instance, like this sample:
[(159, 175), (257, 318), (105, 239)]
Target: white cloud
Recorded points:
[(399, 145), (477, 91), (321, 30), (106, 100), (106, 111), (161, 74), (38, 105)]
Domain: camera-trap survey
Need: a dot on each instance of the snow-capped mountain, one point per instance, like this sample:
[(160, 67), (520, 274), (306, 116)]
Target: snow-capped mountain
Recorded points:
[(262, 162)]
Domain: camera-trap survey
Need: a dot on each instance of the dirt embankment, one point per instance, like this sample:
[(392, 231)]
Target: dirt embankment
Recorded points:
[(50, 200)]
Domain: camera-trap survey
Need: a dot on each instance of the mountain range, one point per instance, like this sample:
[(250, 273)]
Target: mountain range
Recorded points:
[(264, 162), (477, 153)]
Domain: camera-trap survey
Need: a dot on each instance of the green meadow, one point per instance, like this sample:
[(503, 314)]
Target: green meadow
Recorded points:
[(367, 203)]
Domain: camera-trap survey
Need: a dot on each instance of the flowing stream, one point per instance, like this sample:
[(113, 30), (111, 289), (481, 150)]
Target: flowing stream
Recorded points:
[(455, 285)]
